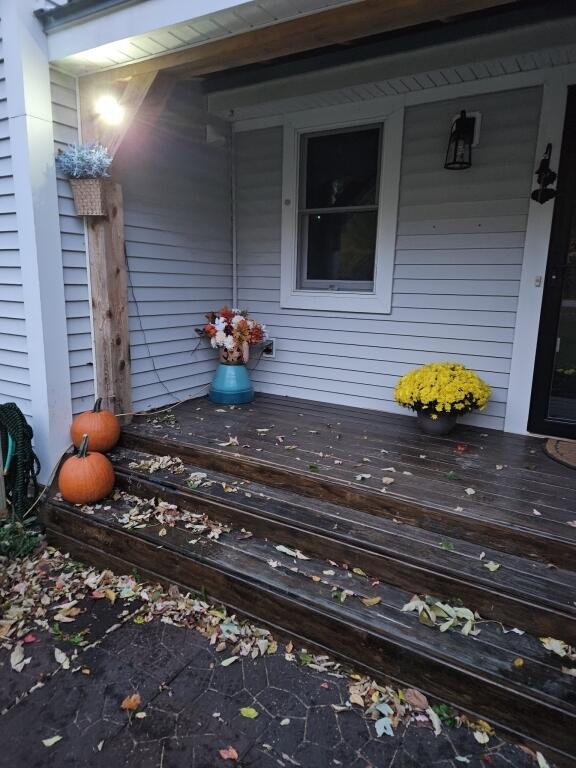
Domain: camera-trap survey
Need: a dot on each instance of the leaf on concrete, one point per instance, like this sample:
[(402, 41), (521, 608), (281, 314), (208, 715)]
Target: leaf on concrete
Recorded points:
[(249, 712), (491, 566), (384, 726), (17, 660), (62, 658), (435, 720), (416, 699), (228, 661), (132, 702), (228, 753), (51, 741)]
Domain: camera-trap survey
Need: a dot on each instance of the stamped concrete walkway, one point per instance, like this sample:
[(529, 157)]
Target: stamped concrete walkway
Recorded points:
[(192, 708)]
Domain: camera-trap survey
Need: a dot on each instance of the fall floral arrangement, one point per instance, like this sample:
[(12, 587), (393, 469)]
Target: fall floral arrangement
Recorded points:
[(442, 388), (233, 331)]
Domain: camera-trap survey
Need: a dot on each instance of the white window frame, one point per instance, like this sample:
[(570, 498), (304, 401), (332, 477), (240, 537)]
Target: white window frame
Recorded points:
[(379, 299)]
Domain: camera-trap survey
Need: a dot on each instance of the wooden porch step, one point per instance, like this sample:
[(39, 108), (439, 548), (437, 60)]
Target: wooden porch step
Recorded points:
[(533, 701), (548, 537), (519, 593)]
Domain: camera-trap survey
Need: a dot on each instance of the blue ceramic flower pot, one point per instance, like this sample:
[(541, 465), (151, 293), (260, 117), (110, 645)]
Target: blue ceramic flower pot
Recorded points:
[(231, 385)]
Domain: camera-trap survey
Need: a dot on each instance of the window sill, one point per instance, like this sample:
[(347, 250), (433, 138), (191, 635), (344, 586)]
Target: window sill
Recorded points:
[(336, 301)]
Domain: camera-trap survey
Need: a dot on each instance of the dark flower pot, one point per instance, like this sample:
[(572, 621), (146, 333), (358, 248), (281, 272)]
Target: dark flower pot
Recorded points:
[(443, 425)]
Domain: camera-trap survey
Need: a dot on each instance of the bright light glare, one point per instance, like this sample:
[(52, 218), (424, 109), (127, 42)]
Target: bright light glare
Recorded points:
[(110, 110)]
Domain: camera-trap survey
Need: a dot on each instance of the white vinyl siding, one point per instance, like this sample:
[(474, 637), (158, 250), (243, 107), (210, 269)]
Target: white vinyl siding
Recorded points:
[(178, 241), (74, 259), (14, 370), (458, 260)]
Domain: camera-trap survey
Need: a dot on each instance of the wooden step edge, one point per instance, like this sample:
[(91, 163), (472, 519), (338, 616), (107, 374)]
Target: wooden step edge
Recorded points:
[(513, 539), (546, 727), (390, 567)]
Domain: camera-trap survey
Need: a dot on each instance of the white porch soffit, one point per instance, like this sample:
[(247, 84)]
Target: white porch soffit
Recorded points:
[(93, 44)]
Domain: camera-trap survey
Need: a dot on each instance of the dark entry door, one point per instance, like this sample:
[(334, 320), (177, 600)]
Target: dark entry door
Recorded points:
[(553, 407)]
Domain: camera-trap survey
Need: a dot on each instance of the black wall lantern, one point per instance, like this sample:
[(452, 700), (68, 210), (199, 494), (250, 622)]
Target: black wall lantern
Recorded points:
[(459, 153), (545, 176)]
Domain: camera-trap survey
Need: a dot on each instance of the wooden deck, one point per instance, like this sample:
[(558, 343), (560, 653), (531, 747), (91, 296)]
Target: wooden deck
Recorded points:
[(310, 477), (480, 485)]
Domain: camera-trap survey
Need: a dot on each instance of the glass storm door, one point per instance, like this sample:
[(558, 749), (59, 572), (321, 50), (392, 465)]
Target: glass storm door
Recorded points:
[(553, 408)]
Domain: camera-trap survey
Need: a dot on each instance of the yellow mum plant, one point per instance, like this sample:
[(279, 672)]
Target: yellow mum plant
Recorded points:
[(442, 388)]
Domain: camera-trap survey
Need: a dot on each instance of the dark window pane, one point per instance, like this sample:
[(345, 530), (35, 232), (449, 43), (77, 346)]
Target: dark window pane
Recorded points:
[(342, 169), (340, 246)]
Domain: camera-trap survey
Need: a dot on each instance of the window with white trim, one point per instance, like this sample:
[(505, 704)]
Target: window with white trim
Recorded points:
[(340, 185)]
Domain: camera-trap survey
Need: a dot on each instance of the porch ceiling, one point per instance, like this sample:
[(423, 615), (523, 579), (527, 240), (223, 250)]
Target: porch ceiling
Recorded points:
[(256, 32), (196, 31)]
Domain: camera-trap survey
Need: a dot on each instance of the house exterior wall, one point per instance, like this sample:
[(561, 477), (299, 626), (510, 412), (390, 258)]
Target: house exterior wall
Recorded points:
[(14, 367), (458, 262), (177, 215)]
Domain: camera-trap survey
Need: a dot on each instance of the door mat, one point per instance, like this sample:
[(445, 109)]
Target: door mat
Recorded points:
[(563, 451)]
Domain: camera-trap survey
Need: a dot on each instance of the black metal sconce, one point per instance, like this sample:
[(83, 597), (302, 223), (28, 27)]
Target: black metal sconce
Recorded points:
[(459, 152), (546, 176)]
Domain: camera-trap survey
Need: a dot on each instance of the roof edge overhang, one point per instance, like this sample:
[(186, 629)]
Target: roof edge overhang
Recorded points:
[(77, 11)]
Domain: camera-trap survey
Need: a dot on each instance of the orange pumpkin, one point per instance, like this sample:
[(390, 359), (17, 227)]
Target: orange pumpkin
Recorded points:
[(102, 428), (86, 477)]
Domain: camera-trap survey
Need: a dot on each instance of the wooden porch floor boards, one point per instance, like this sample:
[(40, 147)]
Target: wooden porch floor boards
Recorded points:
[(479, 485), (293, 480)]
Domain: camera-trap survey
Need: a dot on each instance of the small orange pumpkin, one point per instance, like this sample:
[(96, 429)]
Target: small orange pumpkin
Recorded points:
[(86, 477), (102, 428)]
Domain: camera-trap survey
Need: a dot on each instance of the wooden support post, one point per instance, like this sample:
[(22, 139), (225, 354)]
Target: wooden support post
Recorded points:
[(109, 282), (106, 254)]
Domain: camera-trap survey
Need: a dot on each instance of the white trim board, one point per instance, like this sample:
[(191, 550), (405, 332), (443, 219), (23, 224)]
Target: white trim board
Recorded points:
[(564, 74), (534, 264), (378, 300)]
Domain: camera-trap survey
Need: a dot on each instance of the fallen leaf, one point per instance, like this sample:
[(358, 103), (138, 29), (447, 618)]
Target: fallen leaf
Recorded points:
[(541, 760), (416, 699), (559, 647), (491, 565), (231, 441), (51, 741), (384, 726), (62, 658), (249, 712), (355, 698), (481, 737), (286, 721), (17, 660), (228, 753), (518, 662), (358, 571), (535, 512), (470, 491), (131, 702), (371, 600), (140, 715), (362, 477), (435, 720), (569, 671), (228, 661)]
